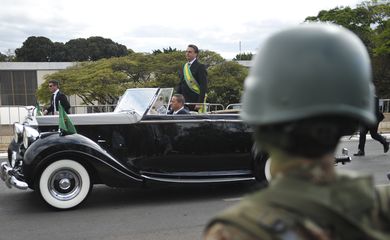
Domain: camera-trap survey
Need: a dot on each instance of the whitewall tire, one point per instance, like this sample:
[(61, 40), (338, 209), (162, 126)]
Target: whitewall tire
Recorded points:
[(64, 184)]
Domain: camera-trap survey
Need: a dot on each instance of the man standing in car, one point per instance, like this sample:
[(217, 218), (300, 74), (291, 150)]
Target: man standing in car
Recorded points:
[(193, 80)]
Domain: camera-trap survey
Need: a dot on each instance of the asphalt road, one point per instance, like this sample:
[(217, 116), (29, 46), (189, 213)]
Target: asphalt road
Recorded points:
[(161, 213)]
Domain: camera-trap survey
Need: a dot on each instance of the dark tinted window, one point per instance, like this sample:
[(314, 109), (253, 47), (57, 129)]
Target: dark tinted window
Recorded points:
[(18, 87)]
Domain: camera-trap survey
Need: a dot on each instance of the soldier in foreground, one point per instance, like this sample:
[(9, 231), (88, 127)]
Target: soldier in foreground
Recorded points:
[(309, 86)]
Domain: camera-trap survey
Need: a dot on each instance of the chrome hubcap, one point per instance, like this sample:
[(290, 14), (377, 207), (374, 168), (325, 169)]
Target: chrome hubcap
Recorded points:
[(65, 184)]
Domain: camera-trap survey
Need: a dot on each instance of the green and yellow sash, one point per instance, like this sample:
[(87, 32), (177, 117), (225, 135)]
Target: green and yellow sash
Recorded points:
[(193, 85), (190, 80)]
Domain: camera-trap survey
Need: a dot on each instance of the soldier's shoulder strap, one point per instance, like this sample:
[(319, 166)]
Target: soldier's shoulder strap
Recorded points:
[(259, 220)]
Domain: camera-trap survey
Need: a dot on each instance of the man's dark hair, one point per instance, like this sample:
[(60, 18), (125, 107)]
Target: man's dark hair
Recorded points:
[(54, 82), (194, 47), (179, 98)]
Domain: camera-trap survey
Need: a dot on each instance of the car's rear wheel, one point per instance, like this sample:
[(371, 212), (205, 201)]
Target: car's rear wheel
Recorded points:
[(64, 184)]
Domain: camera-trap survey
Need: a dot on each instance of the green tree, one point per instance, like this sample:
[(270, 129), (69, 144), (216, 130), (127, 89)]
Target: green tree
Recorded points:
[(243, 56), (98, 48), (77, 50), (370, 20), (42, 49), (35, 49), (103, 81), (166, 67), (3, 57), (210, 58), (8, 56), (58, 52), (165, 50), (226, 82)]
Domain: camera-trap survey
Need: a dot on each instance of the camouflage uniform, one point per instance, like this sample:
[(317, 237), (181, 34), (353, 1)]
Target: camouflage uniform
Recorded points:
[(347, 208)]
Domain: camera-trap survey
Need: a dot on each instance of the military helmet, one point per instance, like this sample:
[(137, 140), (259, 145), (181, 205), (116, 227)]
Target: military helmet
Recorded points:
[(308, 71)]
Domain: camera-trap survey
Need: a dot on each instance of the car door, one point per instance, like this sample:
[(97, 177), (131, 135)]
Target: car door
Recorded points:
[(187, 143)]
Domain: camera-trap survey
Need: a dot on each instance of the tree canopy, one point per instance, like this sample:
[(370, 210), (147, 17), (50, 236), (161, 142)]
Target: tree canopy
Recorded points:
[(103, 81), (3, 57), (42, 49), (8, 56), (371, 22), (243, 56), (226, 82)]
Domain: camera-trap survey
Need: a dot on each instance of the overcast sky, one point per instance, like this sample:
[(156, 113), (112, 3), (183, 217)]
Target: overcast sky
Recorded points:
[(146, 25)]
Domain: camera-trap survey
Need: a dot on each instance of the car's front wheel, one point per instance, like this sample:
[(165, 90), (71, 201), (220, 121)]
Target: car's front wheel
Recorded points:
[(64, 184)]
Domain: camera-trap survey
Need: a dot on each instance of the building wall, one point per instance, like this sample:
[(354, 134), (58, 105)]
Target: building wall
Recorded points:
[(41, 74), (20, 80), (17, 87)]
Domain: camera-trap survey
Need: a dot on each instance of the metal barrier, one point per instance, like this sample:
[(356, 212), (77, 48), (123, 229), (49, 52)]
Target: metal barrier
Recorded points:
[(209, 106), (233, 106)]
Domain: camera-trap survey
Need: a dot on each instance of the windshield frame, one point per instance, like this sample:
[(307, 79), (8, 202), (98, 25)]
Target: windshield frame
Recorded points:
[(137, 100)]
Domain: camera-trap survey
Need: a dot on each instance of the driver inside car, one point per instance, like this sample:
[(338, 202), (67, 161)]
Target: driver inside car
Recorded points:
[(177, 105)]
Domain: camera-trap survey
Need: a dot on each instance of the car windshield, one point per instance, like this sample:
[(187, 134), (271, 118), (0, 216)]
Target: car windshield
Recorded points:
[(161, 103), (137, 99)]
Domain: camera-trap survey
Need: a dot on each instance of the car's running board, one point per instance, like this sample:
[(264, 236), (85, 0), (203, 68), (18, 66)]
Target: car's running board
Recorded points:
[(197, 180)]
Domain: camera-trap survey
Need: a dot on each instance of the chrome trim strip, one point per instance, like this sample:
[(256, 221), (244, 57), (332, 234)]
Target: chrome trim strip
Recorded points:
[(189, 120), (109, 156), (209, 180)]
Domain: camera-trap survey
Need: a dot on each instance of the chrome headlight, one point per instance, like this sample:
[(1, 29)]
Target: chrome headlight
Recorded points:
[(18, 132), (29, 136)]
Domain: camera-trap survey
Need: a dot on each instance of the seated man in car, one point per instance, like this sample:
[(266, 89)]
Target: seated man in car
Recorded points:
[(177, 105)]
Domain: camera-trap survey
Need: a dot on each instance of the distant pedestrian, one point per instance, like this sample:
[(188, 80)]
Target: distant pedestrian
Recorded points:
[(56, 97), (373, 132), (193, 79)]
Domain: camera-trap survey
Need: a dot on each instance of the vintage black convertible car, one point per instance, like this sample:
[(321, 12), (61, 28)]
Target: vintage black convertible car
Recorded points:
[(137, 143)]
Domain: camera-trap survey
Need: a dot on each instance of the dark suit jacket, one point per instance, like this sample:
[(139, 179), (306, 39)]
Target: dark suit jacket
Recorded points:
[(183, 111), (378, 113), (199, 72), (60, 97)]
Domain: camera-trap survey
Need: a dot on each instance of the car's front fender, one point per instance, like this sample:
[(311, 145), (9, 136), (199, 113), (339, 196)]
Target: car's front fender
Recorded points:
[(53, 146)]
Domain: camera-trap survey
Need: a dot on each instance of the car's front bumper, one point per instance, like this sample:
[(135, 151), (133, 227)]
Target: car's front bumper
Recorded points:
[(10, 177)]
